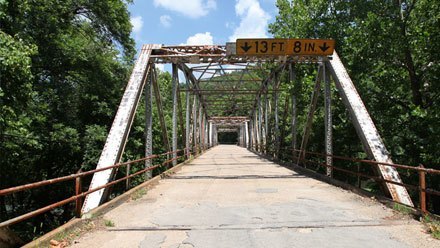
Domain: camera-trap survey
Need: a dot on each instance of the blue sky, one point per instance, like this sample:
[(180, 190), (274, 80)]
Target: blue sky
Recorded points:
[(195, 22)]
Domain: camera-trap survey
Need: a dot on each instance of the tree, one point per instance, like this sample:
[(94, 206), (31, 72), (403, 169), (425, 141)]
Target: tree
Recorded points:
[(391, 50), (63, 69)]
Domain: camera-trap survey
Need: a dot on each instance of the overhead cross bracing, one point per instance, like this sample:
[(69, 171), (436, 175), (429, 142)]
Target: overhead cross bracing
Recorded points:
[(218, 83), (214, 53)]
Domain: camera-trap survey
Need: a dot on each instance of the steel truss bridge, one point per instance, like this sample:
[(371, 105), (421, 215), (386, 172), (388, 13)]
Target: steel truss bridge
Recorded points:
[(226, 92), (221, 99)]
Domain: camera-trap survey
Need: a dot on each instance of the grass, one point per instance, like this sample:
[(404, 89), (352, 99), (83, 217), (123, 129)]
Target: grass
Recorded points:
[(71, 234), (109, 223), (138, 194), (402, 209), (433, 226)]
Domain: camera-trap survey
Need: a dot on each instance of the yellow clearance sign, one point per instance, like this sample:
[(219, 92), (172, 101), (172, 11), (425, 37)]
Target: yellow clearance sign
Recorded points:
[(285, 47)]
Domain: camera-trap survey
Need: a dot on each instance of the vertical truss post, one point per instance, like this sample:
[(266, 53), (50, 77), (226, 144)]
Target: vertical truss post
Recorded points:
[(312, 108), (187, 120), (201, 127), (214, 142), (263, 133), (207, 132), (243, 131), (246, 133), (206, 127), (175, 82), (238, 137), (255, 131), (159, 105), (251, 133), (148, 126), (294, 109), (180, 115), (210, 134), (266, 133), (203, 131), (259, 126), (215, 135), (277, 124), (196, 150), (261, 129), (328, 122)]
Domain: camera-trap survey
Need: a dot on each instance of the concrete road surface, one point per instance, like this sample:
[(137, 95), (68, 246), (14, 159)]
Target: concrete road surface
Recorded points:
[(230, 197)]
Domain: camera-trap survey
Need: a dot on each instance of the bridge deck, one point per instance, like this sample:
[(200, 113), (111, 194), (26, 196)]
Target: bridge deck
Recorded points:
[(229, 197)]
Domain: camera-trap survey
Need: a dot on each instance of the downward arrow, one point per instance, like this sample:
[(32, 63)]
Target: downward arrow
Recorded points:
[(325, 47), (246, 47)]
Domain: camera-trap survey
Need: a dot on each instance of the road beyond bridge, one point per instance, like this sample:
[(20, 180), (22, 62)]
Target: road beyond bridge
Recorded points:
[(230, 197)]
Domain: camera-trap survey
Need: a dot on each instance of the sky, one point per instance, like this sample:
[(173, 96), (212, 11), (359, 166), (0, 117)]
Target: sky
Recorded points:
[(199, 22)]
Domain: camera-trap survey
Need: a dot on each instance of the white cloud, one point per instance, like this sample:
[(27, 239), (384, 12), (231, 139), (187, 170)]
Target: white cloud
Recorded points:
[(190, 8), (137, 23), (230, 25), (253, 22), (165, 20), (200, 39)]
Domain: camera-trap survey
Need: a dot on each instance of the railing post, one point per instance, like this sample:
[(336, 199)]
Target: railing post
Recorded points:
[(127, 182), (78, 201), (422, 187)]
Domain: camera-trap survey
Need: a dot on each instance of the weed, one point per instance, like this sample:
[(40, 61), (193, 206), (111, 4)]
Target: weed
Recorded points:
[(138, 194), (433, 226), (402, 208), (71, 234), (109, 223)]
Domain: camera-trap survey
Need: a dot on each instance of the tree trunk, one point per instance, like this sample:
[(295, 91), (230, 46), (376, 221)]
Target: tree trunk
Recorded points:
[(416, 84), (416, 87)]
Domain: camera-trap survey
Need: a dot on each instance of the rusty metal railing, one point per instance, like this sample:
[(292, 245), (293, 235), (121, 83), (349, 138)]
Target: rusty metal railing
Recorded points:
[(422, 172), (79, 194)]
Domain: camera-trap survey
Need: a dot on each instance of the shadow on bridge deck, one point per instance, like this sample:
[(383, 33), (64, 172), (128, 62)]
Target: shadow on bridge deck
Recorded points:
[(230, 197)]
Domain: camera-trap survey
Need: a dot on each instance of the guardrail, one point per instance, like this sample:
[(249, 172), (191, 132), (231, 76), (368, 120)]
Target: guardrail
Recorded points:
[(79, 194), (292, 155)]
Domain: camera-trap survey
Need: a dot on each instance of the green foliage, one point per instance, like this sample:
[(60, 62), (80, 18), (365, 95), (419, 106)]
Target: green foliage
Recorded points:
[(402, 208), (109, 223), (391, 51), (93, 141), (63, 66), (433, 226), (138, 194)]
